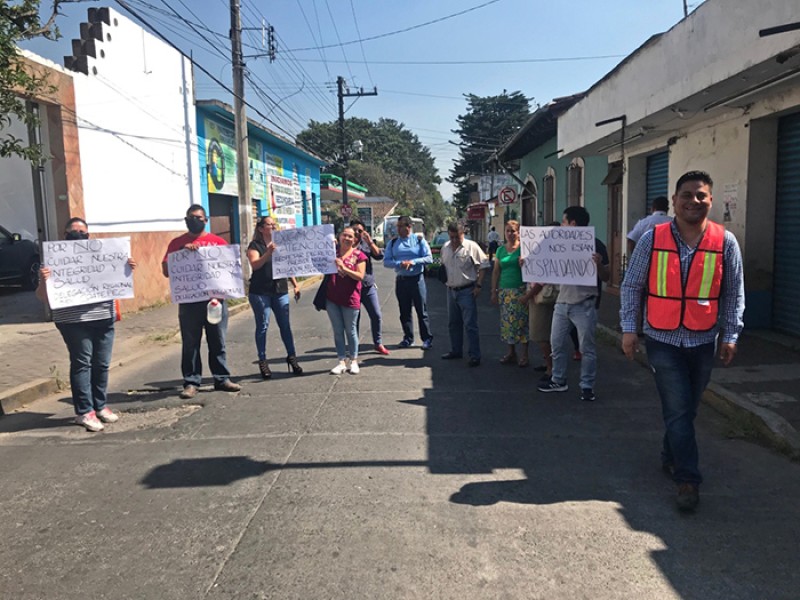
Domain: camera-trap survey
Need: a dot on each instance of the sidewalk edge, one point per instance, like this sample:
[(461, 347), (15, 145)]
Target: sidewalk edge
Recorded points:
[(765, 425), (26, 393)]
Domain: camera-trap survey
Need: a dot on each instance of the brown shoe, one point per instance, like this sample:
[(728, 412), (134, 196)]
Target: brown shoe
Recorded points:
[(227, 386), (189, 392), (688, 497)]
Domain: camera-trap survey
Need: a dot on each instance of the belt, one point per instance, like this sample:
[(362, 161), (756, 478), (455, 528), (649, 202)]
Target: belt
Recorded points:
[(463, 287)]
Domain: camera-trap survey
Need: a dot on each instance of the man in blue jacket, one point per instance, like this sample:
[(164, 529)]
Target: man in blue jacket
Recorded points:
[(408, 254)]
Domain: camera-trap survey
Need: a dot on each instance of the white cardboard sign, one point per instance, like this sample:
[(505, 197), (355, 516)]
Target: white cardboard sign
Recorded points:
[(86, 271), (560, 255), (304, 251), (205, 273)]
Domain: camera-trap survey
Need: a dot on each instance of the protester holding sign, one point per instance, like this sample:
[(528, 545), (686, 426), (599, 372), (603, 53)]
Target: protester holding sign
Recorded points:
[(343, 294), (576, 305), (507, 289), (270, 295), (88, 332), (192, 316)]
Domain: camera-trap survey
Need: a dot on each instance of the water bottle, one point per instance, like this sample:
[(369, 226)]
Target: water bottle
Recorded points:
[(214, 311)]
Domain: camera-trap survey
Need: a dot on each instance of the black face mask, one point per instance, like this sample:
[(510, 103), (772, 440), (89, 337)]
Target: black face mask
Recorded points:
[(195, 225), (77, 235)]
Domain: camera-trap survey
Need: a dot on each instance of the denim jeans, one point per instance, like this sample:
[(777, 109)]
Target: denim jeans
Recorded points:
[(345, 333), (279, 305), (89, 346), (411, 291), (192, 319), (681, 375), (371, 301), (462, 313), (584, 317)]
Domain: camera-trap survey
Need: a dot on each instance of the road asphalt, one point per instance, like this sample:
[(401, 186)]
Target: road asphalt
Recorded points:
[(417, 478)]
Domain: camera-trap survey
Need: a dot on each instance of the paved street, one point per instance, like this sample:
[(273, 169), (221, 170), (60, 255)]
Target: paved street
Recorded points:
[(418, 478)]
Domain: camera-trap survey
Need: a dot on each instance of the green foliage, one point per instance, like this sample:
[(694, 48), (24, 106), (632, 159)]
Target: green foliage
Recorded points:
[(19, 20), (488, 123), (394, 163)]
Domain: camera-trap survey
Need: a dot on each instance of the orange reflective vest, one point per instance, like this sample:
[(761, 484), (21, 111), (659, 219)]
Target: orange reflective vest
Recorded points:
[(695, 303)]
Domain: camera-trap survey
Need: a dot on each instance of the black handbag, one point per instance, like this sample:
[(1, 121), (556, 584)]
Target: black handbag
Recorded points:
[(321, 297)]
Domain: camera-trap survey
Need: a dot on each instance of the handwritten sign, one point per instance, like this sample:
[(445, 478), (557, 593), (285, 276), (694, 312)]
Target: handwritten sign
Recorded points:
[(560, 255), (304, 251), (205, 273), (86, 271)]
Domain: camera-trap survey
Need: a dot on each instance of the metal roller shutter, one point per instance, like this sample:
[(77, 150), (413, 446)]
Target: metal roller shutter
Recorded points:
[(786, 287), (657, 177)]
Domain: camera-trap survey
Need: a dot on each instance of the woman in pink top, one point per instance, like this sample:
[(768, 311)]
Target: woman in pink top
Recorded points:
[(343, 294)]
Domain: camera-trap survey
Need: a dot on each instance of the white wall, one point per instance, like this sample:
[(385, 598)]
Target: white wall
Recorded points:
[(132, 119), (715, 43)]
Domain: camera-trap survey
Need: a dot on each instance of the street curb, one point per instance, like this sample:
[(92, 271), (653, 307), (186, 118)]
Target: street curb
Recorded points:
[(27, 393), (19, 396), (766, 426)]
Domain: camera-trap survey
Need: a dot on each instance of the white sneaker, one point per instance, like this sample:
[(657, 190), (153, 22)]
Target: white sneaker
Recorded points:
[(107, 415), (89, 421), (354, 370), (339, 369)]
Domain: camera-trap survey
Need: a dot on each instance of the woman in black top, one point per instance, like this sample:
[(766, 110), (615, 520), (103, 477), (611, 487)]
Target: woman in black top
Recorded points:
[(268, 294)]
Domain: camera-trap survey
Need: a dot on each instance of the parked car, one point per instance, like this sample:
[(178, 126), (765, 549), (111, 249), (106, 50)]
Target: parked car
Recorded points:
[(19, 260), (439, 240)]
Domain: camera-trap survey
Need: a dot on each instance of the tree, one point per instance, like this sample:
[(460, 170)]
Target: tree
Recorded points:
[(487, 124), (394, 163), (20, 20)]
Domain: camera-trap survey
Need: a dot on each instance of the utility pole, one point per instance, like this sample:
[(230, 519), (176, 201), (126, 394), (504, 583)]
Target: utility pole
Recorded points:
[(685, 9), (240, 124), (342, 93)]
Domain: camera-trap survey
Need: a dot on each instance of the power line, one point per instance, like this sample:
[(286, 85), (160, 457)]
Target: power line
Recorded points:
[(509, 61), (336, 31), (358, 33), (399, 31)]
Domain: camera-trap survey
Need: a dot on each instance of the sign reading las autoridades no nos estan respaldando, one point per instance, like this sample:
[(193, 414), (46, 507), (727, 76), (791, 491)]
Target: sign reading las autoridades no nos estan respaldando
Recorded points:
[(559, 255), (205, 273), (87, 271)]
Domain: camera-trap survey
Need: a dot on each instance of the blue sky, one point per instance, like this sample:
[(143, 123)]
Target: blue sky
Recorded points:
[(425, 97)]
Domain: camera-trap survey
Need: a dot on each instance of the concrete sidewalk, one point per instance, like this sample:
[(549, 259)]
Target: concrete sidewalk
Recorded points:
[(760, 391)]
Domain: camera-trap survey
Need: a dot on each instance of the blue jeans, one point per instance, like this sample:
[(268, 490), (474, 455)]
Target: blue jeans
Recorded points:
[(584, 317), (192, 319), (411, 291), (262, 306), (89, 346), (681, 375), (462, 313), (371, 301), (345, 333)]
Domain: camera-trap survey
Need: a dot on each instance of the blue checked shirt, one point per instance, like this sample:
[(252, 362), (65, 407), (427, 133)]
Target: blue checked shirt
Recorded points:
[(731, 306)]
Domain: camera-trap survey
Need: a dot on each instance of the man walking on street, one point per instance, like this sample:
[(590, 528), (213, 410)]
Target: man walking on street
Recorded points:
[(466, 265), (577, 305), (369, 291), (691, 273), (658, 216), (192, 315), (408, 254)]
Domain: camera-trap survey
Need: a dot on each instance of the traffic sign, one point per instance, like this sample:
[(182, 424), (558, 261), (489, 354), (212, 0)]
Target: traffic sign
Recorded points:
[(346, 211), (508, 195)]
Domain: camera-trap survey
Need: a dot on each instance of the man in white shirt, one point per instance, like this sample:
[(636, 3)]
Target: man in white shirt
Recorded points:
[(466, 265), (658, 216)]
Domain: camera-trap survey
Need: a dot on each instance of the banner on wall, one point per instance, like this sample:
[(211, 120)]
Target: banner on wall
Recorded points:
[(560, 255), (258, 171), (282, 201), (220, 159), (274, 165)]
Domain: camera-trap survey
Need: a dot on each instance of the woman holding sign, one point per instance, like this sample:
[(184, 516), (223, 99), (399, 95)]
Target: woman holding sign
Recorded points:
[(507, 289), (343, 294), (88, 332), (270, 295)]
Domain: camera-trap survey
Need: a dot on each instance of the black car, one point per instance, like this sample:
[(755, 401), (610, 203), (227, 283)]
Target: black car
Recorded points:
[(19, 260)]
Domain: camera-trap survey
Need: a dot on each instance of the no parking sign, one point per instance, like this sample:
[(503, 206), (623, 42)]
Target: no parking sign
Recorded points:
[(507, 195)]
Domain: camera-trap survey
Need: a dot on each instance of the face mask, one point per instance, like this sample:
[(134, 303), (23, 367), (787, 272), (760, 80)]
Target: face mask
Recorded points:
[(77, 235), (195, 225)]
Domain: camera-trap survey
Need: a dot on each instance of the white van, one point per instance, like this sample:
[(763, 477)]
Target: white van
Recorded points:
[(390, 227)]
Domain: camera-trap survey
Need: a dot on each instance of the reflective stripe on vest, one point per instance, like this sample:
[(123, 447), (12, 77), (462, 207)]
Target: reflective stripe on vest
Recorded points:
[(695, 304)]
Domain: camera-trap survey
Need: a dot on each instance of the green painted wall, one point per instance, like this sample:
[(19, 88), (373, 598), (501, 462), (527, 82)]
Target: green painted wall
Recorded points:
[(595, 194)]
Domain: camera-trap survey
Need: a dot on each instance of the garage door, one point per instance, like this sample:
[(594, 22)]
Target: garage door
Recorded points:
[(786, 289)]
